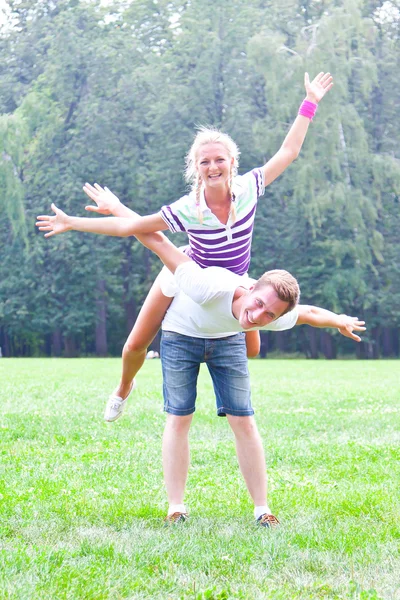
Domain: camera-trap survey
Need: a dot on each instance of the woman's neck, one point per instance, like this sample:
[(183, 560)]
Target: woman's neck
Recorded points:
[(217, 199), (219, 204)]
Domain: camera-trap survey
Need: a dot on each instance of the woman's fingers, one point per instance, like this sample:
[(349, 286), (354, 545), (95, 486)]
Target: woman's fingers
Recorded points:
[(90, 187)]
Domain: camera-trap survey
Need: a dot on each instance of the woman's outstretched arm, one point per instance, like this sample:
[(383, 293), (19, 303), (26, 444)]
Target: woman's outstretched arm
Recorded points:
[(114, 226), (290, 149), (157, 242)]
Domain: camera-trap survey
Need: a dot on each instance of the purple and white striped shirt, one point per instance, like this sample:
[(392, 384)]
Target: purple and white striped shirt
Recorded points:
[(211, 243)]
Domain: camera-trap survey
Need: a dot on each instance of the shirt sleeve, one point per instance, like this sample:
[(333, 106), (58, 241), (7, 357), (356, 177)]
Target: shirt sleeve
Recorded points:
[(174, 214), (167, 283), (287, 321), (252, 182), (201, 285)]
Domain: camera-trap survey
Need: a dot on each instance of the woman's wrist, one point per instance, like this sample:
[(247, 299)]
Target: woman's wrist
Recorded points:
[(308, 109), (118, 209), (71, 223), (311, 98)]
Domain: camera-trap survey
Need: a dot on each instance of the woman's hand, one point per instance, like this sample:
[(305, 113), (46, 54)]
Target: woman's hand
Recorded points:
[(54, 225), (318, 87), (106, 201)]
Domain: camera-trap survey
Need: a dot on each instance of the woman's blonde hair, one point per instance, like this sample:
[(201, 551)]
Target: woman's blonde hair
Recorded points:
[(210, 135)]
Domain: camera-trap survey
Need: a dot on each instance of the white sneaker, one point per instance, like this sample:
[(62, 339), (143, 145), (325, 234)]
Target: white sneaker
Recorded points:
[(115, 405)]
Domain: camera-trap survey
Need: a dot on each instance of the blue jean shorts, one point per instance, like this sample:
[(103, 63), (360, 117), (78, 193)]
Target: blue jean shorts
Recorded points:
[(226, 360)]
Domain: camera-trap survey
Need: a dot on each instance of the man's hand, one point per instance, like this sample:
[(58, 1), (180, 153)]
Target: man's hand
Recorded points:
[(106, 201), (54, 225), (350, 324), (318, 87)]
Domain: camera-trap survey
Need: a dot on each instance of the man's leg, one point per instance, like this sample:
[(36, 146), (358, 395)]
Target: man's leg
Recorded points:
[(250, 453), (228, 367), (175, 452), (180, 358)]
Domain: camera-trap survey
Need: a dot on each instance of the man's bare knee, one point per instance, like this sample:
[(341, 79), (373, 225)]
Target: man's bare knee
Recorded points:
[(178, 424), (243, 426)]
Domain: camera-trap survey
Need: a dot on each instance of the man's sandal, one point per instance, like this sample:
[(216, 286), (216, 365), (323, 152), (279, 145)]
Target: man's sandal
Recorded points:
[(267, 521), (175, 518)]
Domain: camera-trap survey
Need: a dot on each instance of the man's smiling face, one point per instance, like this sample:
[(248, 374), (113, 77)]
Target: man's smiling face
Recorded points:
[(260, 307)]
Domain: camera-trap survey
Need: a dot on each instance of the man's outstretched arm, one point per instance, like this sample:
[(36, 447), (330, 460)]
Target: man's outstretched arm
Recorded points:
[(320, 317)]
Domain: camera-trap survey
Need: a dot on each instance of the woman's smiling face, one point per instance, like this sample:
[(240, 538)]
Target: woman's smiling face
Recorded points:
[(214, 164)]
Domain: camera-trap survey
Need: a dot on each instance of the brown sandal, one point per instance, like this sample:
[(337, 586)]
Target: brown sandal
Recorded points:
[(268, 521), (176, 517)]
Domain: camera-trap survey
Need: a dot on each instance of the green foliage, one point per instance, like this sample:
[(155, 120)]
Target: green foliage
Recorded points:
[(114, 94)]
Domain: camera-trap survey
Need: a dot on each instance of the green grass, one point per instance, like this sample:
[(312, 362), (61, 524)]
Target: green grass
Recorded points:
[(82, 501)]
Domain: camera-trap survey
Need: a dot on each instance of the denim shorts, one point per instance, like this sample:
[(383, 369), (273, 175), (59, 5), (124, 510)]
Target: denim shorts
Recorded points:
[(226, 360)]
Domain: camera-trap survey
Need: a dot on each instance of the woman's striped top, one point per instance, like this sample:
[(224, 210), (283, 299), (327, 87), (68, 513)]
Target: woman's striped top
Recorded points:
[(211, 243)]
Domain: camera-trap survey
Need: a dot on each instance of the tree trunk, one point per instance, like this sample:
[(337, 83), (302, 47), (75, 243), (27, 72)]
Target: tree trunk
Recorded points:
[(376, 332), (313, 335), (396, 341), (130, 306), (69, 346), (328, 345), (101, 329), (264, 338), (130, 314), (369, 350), (281, 341), (7, 345), (56, 346), (387, 342), (147, 263)]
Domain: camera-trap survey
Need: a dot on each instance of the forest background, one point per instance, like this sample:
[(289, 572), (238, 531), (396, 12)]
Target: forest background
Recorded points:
[(113, 93)]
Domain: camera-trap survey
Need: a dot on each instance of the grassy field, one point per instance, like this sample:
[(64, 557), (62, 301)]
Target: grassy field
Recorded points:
[(82, 501)]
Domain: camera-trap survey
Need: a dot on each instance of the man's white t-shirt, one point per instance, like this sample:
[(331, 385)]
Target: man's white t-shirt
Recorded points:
[(202, 304)]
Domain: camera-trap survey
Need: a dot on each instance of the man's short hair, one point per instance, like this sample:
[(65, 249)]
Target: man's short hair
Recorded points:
[(284, 284)]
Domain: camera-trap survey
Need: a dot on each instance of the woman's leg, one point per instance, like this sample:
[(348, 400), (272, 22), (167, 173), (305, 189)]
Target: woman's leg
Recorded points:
[(253, 343), (146, 326)]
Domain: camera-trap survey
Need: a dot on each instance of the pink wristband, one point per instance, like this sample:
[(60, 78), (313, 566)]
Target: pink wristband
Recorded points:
[(308, 109)]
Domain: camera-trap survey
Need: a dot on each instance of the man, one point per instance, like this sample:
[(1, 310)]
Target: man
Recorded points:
[(210, 310), (207, 303)]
